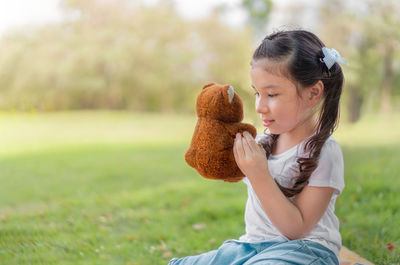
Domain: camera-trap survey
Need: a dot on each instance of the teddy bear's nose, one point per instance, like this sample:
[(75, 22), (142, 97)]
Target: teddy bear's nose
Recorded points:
[(231, 93)]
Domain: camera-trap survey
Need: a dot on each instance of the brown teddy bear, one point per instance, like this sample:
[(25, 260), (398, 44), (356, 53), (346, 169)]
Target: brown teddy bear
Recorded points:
[(220, 112)]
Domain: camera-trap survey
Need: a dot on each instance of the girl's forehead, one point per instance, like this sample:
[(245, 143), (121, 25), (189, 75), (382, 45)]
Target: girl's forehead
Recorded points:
[(270, 71), (260, 75), (274, 67)]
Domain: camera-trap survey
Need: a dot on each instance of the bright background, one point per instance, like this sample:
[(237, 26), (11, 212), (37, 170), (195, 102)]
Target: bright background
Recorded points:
[(97, 110)]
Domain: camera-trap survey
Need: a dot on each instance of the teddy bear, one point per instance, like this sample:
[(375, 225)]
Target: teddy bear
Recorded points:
[(220, 112)]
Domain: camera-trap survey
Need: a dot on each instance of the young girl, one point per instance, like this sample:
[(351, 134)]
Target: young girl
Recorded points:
[(294, 173)]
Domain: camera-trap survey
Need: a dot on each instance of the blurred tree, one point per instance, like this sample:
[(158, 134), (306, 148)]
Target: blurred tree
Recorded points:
[(338, 27), (382, 30), (367, 34), (120, 55), (258, 12), (223, 55)]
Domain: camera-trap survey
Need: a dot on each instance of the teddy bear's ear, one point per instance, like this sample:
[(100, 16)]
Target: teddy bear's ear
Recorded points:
[(231, 93), (207, 85)]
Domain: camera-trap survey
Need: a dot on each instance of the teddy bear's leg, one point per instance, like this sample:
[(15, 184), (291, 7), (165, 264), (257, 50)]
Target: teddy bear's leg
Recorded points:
[(236, 174), (190, 157), (231, 171), (219, 165)]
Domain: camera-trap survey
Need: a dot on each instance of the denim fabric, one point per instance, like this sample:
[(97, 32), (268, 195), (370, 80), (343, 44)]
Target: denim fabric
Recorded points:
[(242, 253)]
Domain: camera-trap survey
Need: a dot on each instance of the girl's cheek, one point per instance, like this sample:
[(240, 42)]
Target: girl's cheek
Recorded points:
[(257, 103)]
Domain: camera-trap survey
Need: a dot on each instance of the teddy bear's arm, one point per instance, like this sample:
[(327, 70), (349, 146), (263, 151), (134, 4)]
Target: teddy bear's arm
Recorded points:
[(240, 128)]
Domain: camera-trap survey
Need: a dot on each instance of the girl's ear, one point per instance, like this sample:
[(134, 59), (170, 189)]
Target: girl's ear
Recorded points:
[(315, 93)]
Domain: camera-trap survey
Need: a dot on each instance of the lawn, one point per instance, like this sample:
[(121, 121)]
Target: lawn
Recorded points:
[(113, 188)]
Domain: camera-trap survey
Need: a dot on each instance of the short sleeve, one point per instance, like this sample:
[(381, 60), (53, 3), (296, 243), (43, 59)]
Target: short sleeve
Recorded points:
[(330, 169)]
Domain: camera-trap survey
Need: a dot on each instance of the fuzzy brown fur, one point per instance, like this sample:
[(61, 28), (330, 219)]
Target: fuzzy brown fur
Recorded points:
[(211, 149)]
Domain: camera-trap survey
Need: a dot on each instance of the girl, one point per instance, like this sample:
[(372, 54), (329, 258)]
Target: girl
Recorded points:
[(294, 173)]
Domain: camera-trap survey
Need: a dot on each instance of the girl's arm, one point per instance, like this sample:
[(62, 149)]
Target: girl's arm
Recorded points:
[(293, 219)]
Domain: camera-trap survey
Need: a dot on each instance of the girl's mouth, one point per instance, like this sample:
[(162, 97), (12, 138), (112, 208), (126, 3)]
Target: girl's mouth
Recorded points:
[(267, 123)]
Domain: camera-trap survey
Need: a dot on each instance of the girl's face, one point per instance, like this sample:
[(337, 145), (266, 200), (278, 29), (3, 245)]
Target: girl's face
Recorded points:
[(278, 103)]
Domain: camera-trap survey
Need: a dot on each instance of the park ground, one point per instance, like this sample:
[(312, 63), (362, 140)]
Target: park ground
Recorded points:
[(113, 188)]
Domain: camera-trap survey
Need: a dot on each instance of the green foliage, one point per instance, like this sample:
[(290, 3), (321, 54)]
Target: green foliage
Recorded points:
[(367, 34), (126, 55), (119, 55), (258, 12), (113, 188)]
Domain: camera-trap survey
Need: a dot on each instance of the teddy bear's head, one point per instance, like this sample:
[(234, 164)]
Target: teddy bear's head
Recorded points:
[(219, 102)]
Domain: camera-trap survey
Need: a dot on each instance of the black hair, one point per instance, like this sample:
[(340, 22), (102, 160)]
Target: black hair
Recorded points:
[(299, 53)]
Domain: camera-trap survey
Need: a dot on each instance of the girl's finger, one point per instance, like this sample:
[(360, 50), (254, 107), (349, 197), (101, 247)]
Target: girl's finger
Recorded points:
[(235, 154), (238, 146), (246, 146), (261, 147), (250, 143)]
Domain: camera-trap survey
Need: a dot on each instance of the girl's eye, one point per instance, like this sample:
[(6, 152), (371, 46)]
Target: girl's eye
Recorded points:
[(256, 94), (272, 95)]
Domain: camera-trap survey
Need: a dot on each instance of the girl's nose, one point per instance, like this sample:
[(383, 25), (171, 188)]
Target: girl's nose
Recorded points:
[(261, 106)]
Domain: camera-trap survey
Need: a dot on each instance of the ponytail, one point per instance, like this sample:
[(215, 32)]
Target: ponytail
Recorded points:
[(303, 53)]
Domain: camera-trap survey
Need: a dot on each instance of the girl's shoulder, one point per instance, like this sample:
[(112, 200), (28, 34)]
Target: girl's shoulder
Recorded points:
[(330, 169), (331, 146), (330, 151)]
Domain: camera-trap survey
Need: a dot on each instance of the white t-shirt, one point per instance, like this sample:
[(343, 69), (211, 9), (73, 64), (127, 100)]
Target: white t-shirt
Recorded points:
[(284, 168)]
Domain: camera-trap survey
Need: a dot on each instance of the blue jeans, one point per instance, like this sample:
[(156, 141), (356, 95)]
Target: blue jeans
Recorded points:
[(241, 253)]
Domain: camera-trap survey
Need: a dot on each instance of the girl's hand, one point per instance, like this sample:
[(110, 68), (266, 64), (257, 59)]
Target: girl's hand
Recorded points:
[(250, 157)]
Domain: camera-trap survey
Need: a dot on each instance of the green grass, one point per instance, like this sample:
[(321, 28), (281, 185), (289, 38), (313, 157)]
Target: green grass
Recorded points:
[(113, 188)]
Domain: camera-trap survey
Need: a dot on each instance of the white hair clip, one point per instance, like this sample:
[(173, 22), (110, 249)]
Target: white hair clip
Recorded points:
[(331, 56)]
